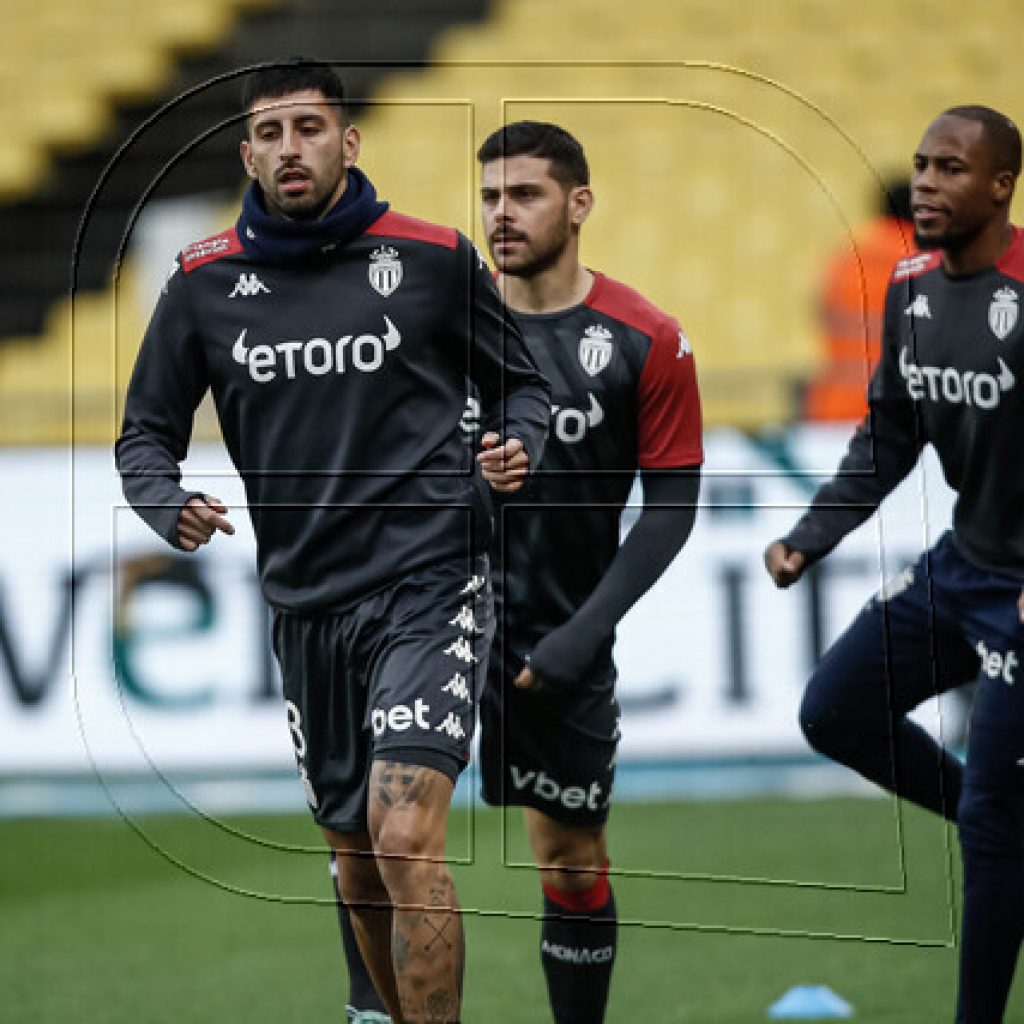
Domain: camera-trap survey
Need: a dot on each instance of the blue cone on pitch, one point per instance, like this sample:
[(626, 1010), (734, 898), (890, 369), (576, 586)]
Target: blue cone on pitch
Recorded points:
[(809, 1002)]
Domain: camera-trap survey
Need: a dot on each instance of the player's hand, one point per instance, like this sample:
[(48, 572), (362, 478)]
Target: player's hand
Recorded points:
[(526, 680), (560, 660), (200, 519), (504, 466), (784, 565)]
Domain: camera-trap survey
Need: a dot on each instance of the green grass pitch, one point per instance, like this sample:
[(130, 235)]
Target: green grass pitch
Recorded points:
[(724, 905)]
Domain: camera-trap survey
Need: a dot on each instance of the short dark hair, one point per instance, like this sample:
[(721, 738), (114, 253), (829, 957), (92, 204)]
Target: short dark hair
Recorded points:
[(540, 139), (1001, 134), (295, 74), (894, 198)]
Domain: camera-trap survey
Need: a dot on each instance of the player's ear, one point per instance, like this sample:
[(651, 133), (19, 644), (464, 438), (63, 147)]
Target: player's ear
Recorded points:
[(350, 143), (245, 152), (581, 202), (1002, 187)]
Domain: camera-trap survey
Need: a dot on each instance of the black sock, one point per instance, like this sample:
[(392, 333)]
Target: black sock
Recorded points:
[(361, 992), (577, 951)]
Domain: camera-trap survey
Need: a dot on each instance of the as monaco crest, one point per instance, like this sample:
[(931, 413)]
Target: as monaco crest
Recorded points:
[(1002, 313), (385, 270), (595, 349)]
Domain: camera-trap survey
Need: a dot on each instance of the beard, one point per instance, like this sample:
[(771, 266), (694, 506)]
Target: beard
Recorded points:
[(535, 261)]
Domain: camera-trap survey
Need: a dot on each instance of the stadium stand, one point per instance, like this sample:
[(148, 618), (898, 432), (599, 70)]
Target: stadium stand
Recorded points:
[(731, 151)]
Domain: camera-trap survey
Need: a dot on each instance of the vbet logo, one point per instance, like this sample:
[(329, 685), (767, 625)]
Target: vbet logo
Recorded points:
[(545, 787), (316, 356), (997, 665), (401, 717)]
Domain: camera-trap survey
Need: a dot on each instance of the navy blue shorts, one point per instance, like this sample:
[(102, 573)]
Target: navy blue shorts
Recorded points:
[(395, 677), (937, 625), (550, 750)]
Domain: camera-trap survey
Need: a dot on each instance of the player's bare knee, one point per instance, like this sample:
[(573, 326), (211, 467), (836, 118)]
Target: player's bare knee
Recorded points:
[(570, 859), (404, 839)]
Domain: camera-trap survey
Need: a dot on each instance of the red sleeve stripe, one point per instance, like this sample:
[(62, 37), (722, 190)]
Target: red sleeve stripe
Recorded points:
[(398, 225), (669, 427), (209, 249), (1011, 263)]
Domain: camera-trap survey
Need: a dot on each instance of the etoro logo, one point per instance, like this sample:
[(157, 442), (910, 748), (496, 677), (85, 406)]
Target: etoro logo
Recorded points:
[(545, 787), (316, 356), (958, 387), (571, 425)]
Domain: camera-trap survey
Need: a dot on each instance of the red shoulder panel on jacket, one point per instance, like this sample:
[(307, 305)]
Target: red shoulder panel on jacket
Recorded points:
[(915, 265), (1011, 263), (210, 249), (398, 225), (622, 303)]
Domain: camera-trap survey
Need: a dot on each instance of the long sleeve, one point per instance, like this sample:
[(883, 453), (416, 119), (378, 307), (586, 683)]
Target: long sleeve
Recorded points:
[(882, 451), (514, 394), (168, 382), (665, 523)]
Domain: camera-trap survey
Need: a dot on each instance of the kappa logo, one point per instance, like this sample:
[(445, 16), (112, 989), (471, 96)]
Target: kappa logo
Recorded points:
[(685, 348), (958, 387), (595, 349), (1003, 312), (460, 648), (247, 285), (385, 270), (997, 665), (571, 425), (919, 308), (474, 586), (317, 356), (452, 726), (465, 620), (457, 686)]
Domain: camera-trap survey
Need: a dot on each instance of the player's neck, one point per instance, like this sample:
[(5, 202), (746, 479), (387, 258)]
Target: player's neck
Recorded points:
[(559, 287), (982, 252)]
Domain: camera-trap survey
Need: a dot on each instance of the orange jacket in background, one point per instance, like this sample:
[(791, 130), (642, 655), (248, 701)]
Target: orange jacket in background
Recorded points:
[(852, 302)]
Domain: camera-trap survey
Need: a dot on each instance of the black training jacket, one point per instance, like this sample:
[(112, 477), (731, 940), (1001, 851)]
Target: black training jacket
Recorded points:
[(339, 383), (952, 375)]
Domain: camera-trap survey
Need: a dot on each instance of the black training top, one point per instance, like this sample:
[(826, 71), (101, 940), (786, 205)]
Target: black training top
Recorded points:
[(624, 396), (950, 375), (339, 382)]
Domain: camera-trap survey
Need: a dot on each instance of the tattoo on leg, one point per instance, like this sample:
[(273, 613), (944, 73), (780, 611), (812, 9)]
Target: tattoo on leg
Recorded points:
[(438, 933), (400, 784), (400, 952), (440, 1006)]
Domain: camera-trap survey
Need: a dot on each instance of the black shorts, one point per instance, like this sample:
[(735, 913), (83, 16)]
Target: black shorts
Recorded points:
[(395, 677), (549, 750)]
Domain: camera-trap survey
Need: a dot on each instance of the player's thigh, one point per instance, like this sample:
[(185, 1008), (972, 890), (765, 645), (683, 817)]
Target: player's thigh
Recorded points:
[(325, 704), (900, 650), (430, 643), (408, 810)]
